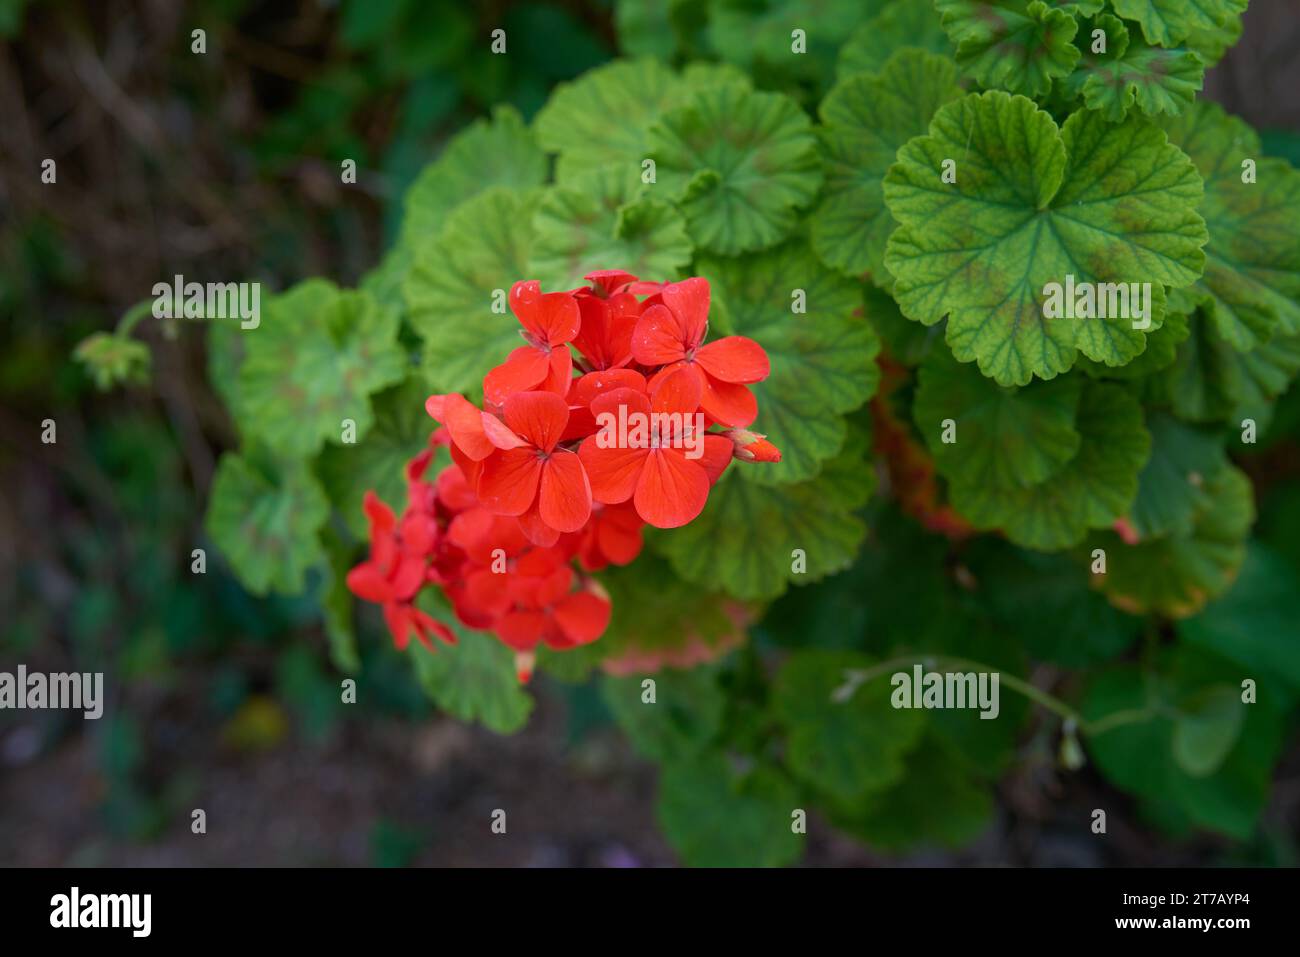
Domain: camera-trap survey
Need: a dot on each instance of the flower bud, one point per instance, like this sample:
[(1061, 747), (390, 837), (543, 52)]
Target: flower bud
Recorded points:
[(752, 446)]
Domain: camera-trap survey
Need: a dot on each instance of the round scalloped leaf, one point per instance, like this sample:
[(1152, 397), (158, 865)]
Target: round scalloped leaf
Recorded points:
[(740, 164), (1011, 44), (1211, 43), (938, 801), (601, 117), (1252, 263), (604, 116), (499, 152), (378, 462), (600, 219), (1176, 575), (474, 679), (1171, 488), (1032, 205), (1167, 23), (751, 539), (902, 23), (264, 517), (645, 27), (848, 749), (1216, 786), (458, 280), (868, 117), (1254, 624), (1004, 438), (756, 35), (1130, 74), (715, 816), (1094, 489), (312, 362), (687, 714), (1210, 381), (823, 359)]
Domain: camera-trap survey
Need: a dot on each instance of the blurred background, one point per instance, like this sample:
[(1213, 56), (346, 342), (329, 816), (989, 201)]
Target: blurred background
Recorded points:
[(225, 165)]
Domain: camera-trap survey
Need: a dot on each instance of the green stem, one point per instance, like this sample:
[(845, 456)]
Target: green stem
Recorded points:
[(131, 318), (1020, 685)]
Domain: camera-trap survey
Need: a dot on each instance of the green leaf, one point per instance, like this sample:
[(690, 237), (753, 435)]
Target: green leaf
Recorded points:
[(757, 36), (378, 462), (473, 680), (823, 360), (1013, 44), (1211, 43), (497, 152), (645, 27), (456, 281), (1254, 624), (868, 117), (1210, 381), (846, 748), (740, 164), (1005, 437), (337, 603), (312, 362), (1095, 488), (679, 724), (596, 221), (1177, 574), (1171, 489), (1252, 263), (715, 816), (1206, 728), (1168, 22), (264, 517), (603, 117), (1139, 756), (1034, 204), (1085, 628), (902, 23), (1129, 73), (745, 539), (937, 802)]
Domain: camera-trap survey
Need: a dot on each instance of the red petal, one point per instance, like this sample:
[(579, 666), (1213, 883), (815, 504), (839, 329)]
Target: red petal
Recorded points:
[(717, 456), (509, 480), (564, 499), (609, 280), (407, 577), (612, 473), (582, 617), (521, 630), (618, 531), (536, 530), (465, 423), (540, 417), (560, 377), (679, 391), (366, 582), (593, 384), (659, 338), (524, 369), (556, 319), (672, 489), (728, 403), (689, 301), (734, 359), (398, 619), (380, 515)]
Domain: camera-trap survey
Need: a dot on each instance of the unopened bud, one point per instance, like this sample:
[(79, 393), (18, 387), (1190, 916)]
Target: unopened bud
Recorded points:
[(752, 446)]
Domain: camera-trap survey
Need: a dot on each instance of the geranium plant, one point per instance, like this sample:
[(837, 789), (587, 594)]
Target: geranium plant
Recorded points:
[(848, 220)]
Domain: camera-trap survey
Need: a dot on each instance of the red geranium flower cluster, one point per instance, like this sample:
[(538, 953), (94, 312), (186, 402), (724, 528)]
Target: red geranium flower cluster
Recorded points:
[(614, 415)]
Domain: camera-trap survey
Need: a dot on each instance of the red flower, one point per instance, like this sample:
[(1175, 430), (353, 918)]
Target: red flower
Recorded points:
[(554, 615), (530, 477), (550, 320), (752, 446), (667, 486), (605, 338), (611, 537), (670, 335)]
